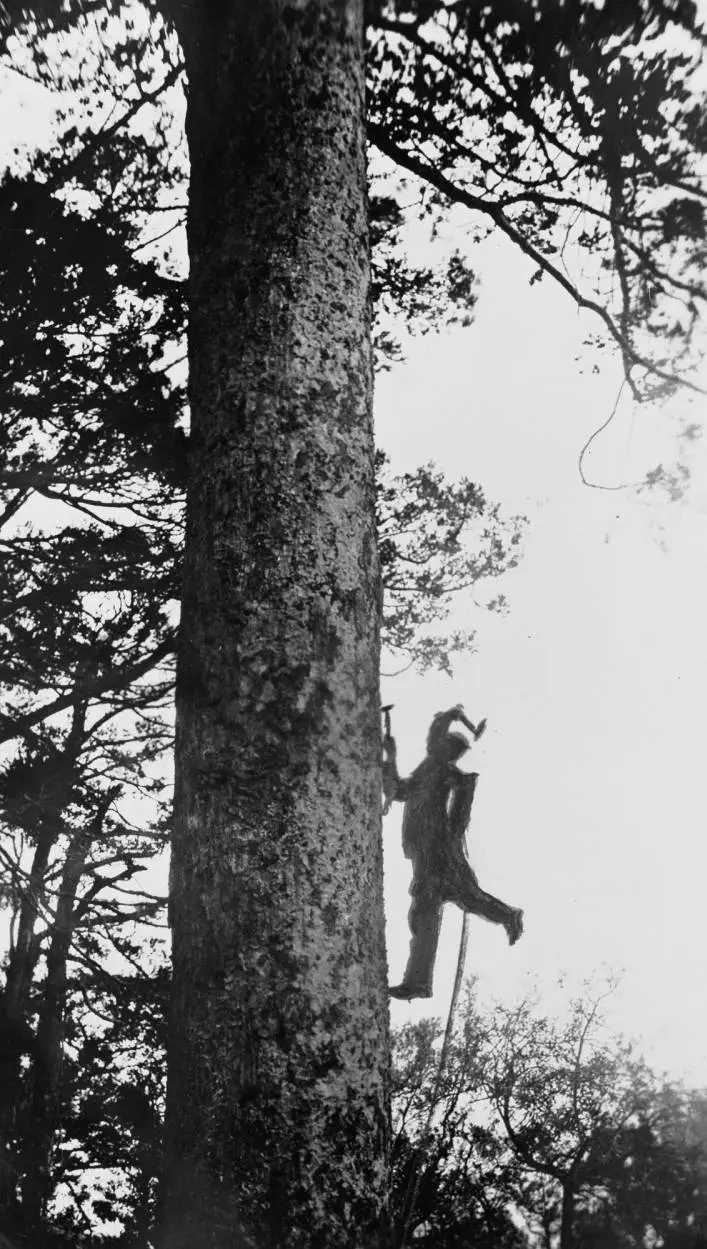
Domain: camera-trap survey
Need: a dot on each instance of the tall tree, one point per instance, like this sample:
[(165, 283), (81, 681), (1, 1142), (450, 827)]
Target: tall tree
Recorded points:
[(91, 430), (277, 1117)]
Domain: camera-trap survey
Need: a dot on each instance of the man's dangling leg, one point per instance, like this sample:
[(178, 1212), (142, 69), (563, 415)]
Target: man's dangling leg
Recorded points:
[(425, 922), (461, 887)]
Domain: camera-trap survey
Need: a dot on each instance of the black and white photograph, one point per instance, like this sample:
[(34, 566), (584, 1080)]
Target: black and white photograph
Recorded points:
[(353, 624)]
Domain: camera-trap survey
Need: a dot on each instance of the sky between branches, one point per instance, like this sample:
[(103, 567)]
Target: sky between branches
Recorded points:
[(590, 807)]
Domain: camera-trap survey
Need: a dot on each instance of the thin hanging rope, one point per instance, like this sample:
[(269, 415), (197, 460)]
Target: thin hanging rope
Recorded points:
[(414, 1183)]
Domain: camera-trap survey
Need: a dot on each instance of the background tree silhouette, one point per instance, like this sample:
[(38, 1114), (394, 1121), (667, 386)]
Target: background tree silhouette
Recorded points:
[(547, 1131)]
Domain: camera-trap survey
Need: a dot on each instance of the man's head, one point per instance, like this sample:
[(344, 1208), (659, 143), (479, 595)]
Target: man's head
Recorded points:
[(449, 747)]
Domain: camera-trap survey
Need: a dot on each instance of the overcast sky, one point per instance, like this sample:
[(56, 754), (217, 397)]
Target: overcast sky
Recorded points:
[(590, 810)]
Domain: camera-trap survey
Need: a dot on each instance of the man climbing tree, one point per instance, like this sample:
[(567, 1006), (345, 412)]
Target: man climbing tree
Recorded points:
[(438, 798)]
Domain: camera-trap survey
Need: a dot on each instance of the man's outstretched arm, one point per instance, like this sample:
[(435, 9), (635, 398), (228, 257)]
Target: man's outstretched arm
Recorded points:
[(444, 720), (396, 788)]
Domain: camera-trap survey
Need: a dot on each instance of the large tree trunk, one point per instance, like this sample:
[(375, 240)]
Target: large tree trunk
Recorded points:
[(277, 1118)]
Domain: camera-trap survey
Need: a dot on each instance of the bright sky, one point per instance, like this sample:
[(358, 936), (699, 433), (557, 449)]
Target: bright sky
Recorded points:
[(590, 808), (591, 802)]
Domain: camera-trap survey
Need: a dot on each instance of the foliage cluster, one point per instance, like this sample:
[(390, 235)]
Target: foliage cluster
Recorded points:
[(547, 1130)]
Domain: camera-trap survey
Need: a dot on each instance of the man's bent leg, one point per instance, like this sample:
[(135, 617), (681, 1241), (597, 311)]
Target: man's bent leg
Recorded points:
[(462, 888)]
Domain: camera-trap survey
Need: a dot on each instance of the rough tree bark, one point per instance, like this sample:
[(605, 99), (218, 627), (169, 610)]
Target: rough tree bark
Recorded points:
[(277, 1118)]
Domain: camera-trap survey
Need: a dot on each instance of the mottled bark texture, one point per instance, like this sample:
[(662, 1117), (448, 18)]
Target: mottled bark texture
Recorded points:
[(277, 1119)]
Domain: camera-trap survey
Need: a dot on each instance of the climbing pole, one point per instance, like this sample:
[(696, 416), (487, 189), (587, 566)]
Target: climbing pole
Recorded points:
[(413, 1187)]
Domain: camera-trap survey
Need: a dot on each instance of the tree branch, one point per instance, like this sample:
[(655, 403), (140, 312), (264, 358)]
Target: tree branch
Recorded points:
[(91, 688), (457, 194)]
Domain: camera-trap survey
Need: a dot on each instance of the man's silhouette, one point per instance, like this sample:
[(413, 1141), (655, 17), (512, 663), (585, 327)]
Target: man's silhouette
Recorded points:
[(438, 797)]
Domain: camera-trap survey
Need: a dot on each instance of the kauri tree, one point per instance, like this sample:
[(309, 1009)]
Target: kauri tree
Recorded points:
[(277, 1115)]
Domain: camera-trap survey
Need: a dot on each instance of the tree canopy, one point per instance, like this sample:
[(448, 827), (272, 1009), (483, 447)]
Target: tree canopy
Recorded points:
[(547, 1130), (575, 130)]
